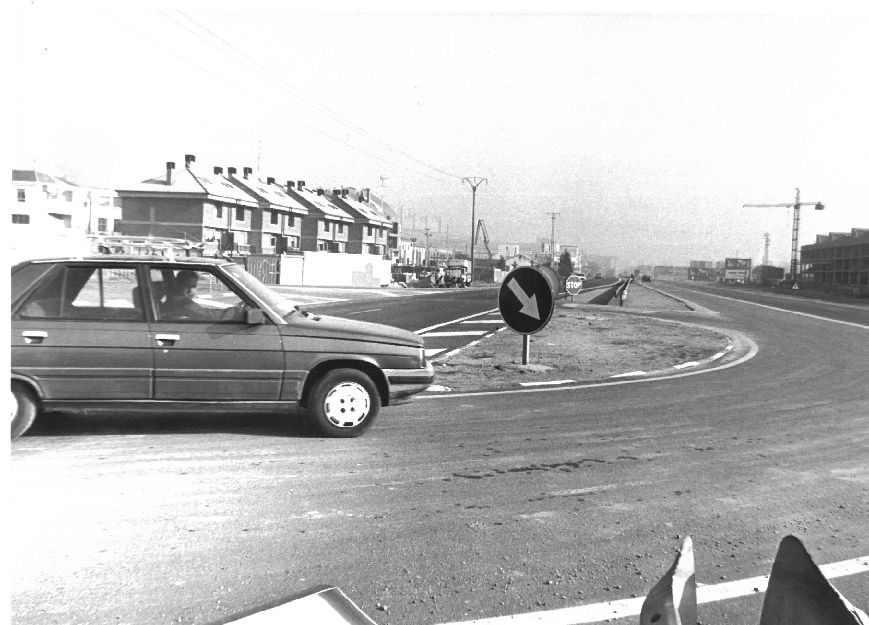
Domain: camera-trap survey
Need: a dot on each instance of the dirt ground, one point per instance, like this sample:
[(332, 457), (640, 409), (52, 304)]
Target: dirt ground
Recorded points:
[(585, 342)]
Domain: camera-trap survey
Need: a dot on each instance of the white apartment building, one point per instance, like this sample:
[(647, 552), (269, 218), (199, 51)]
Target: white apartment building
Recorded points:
[(38, 197), (51, 215)]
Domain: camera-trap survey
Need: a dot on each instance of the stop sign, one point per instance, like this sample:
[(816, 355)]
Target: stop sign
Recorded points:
[(573, 284)]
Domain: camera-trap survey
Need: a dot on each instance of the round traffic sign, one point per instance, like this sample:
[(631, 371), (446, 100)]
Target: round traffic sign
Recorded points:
[(526, 298), (573, 284)]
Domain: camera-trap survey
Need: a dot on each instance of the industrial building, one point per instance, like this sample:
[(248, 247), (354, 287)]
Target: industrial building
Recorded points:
[(837, 261)]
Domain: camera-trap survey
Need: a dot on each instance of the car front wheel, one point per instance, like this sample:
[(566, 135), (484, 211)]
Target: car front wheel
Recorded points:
[(343, 403), (23, 409)]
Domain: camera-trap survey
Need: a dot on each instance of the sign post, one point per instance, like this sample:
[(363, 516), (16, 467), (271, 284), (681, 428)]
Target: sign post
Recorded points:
[(526, 300)]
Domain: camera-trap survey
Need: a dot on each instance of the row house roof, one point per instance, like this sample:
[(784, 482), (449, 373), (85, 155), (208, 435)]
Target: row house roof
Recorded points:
[(269, 193), (346, 205), (31, 175), (356, 204), (191, 181), (321, 204)]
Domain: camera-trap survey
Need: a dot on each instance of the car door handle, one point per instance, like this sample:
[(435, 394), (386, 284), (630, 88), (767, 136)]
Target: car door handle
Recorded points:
[(34, 336), (167, 339)]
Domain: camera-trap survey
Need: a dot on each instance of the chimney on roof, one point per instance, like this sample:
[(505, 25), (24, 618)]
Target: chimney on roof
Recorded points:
[(247, 171), (231, 171), (270, 180), (188, 159), (367, 193), (300, 184), (319, 190), (336, 192), (344, 192), (170, 172), (218, 171), (290, 184)]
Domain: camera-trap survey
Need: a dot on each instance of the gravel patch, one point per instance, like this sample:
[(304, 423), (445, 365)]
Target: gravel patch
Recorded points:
[(585, 342)]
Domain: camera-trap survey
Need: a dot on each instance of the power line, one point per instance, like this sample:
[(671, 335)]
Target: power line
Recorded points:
[(277, 79), (248, 93)]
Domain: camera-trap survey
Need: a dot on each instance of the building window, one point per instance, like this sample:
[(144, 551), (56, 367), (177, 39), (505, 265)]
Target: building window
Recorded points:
[(239, 214), (102, 224), (21, 219), (22, 195), (293, 242), (325, 226), (369, 231), (291, 221), (275, 217), (67, 195), (341, 228), (219, 210)]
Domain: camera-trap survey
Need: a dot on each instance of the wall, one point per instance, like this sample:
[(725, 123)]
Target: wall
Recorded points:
[(292, 269), (361, 270)]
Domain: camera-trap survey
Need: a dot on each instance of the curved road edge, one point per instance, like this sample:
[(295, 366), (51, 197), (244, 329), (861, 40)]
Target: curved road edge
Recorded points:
[(743, 350)]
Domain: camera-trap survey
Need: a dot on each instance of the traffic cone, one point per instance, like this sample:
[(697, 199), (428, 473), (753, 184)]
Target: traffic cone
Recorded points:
[(799, 594), (673, 600)]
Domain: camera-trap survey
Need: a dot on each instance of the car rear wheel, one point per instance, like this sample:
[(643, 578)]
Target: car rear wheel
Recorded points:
[(343, 403), (23, 409)]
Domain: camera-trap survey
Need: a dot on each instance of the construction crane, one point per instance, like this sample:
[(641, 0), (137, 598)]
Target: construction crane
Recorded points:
[(481, 227), (796, 204)]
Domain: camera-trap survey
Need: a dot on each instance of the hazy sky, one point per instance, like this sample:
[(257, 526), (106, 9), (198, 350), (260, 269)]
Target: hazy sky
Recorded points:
[(645, 132)]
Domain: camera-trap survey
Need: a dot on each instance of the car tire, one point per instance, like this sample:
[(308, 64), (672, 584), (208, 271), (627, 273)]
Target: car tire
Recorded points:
[(23, 410), (343, 403)]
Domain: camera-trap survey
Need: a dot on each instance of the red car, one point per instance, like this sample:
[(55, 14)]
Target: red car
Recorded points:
[(150, 334)]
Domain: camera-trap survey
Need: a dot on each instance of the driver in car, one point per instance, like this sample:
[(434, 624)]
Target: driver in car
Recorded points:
[(181, 303)]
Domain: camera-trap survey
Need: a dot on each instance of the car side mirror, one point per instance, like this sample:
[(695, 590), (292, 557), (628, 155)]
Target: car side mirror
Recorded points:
[(254, 316)]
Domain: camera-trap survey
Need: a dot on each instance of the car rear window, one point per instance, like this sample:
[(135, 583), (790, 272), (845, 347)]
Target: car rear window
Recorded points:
[(25, 275), (86, 293)]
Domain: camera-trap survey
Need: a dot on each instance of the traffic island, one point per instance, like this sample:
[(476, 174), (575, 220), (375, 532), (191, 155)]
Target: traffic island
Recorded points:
[(589, 342)]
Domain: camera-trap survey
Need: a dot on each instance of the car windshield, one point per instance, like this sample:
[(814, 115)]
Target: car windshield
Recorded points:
[(273, 300)]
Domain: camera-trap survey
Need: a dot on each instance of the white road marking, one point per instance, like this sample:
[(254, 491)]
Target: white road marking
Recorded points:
[(463, 333), (446, 323), (752, 352), (433, 352), (499, 320), (685, 365), (359, 312), (546, 383), (793, 312), (596, 612), (623, 375)]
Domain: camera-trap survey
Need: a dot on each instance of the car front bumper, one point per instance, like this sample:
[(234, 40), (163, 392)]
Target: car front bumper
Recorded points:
[(404, 383)]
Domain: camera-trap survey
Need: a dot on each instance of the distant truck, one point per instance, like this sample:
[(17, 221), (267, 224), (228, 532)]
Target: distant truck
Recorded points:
[(457, 273)]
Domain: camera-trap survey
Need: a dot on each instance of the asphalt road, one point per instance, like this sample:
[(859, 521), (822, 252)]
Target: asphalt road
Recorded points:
[(451, 509)]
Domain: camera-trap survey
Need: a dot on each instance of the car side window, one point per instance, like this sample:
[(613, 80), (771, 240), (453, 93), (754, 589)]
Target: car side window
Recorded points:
[(196, 295), (87, 293)]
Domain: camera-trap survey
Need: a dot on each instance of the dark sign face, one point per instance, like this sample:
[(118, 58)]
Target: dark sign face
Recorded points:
[(525, 300), (737, 263)]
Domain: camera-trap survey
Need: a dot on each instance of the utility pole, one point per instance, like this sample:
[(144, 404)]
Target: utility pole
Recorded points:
[(795, 233), (552, 240), (427, 235), (765, 249), (474, 182)]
